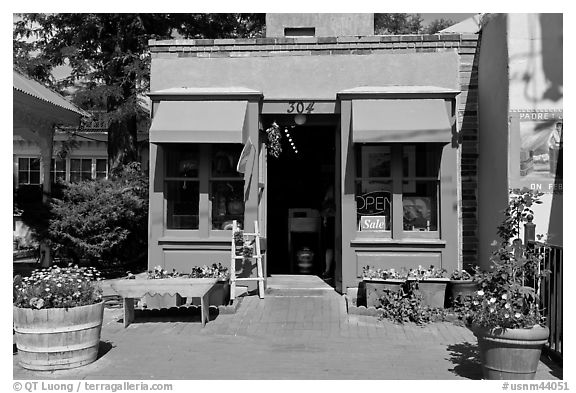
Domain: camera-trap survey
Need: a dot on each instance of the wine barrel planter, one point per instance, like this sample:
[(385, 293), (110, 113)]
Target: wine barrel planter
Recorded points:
[(375, 289), (433, 291), (58, 338), (510, 353)]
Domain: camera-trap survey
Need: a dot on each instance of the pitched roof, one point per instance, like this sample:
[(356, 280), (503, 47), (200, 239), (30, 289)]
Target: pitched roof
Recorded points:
[(471, 25), (37, 90)]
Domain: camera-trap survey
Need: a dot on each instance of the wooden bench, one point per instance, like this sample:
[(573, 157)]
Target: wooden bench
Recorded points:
[(185, 287)]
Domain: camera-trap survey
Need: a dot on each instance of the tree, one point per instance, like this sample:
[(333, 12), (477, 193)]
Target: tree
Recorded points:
[(109, 59), (398, 24), (438, 24)]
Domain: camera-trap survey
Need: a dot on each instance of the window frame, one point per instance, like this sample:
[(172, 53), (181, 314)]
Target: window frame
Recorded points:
[(52, 164), (28, 171), (397, 179), (205, 179)]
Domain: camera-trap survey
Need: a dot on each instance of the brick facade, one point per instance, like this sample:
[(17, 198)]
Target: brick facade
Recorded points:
[(466, 45)]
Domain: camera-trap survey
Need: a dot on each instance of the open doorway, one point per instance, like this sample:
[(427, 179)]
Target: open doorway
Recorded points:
[(301, 204)]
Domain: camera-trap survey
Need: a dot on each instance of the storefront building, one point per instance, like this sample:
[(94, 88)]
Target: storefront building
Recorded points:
[(379, 139)]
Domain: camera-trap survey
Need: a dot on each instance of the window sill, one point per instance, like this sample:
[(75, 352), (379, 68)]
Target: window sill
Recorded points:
[(190, 240), (397, 242)]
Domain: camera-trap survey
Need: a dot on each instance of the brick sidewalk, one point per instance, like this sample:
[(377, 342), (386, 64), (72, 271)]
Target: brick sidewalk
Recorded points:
[(290, 335)]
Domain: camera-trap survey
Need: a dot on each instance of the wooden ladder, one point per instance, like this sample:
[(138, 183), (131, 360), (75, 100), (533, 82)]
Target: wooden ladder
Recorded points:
[(250, 239)]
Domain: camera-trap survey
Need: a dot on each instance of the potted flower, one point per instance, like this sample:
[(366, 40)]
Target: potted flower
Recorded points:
[(431, 283), (505, 311), (461, 286), (375, 281), (58, 318)]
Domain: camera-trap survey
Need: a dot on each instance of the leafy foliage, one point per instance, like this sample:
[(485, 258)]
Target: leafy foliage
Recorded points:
[(273, 141), (398, 23), (205, 271), (109, 59), (405, 305), (438, 24), (460, 274), (508, 291), (102, 220), (57, 287)]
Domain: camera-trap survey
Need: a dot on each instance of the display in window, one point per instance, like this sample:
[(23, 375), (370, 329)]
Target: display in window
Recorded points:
[(374, 161), (182, 162), (374, 199), (227, 203), (224, 159), (182, 204), (420, 208)]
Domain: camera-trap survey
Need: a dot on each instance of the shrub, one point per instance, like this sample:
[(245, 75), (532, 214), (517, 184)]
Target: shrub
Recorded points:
[(58, 288), (102, 221), (405, 305)]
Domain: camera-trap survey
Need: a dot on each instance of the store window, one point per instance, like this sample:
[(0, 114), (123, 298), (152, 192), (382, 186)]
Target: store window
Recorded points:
[(29, 170), (226, 187), (193, 168), (182, 187), (398, 180)]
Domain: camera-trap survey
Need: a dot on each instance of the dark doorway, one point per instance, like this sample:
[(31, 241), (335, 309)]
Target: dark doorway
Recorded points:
[(301, 201)]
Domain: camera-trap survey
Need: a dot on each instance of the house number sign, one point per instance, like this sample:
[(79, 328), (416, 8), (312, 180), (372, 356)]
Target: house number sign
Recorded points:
[(300, 107)]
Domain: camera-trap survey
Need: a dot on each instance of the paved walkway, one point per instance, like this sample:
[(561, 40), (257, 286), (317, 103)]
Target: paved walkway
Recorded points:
[(294, 333)]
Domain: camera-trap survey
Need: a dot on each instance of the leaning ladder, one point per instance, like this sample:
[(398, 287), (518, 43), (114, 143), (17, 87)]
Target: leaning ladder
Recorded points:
[(251, 239)]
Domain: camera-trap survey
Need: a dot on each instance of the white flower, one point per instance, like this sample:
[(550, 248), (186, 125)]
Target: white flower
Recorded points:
[(507, 305), (517, 315), (505, 296), (480, 293), (506, 315), (492, 309), (493, 300), (58, 285), (47, 289)]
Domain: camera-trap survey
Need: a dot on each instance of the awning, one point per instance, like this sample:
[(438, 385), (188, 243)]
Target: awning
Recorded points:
[(400, 120), (198, 122)]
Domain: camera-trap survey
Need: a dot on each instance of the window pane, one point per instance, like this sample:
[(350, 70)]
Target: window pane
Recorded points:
[(421, 160), (75, 165), (60, 165), (373, 161), (182, 198), (374, 204), (35, 164), (182, 160), (224, 160), (86, 176), (101, 165), (22, 177), (23, 164), (74, 177), (420, 205), (87, 165), (34, 177), (227, 203)]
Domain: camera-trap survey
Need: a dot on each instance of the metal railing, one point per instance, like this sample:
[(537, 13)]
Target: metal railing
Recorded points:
[(551, 293)]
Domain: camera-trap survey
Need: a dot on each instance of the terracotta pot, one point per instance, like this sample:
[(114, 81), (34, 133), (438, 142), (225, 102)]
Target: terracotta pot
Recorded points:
[(510, 353), (58, 338)]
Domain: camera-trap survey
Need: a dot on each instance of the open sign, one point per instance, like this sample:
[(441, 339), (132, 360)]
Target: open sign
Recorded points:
[(373, 203)]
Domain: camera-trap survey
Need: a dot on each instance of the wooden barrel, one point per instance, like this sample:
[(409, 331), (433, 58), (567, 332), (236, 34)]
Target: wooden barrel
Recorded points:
[(58, 338)]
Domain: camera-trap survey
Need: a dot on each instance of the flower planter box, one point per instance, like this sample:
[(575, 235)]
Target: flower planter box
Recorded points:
[(461, 288), (433, 291), (58, 338), (375, 288)]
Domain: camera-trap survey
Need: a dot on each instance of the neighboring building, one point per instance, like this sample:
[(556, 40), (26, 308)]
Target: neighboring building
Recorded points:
[(385, 124), (521, 120)]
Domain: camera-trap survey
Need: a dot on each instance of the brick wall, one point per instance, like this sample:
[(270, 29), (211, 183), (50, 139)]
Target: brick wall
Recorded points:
[(466, 45)]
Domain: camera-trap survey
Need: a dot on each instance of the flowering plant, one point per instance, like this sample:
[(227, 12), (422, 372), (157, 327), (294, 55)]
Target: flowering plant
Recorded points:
[(383, 274), (460, 275), (424, 274), (274, 137), (508, 295), (214, 271), (57, 287), (159, 272)]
